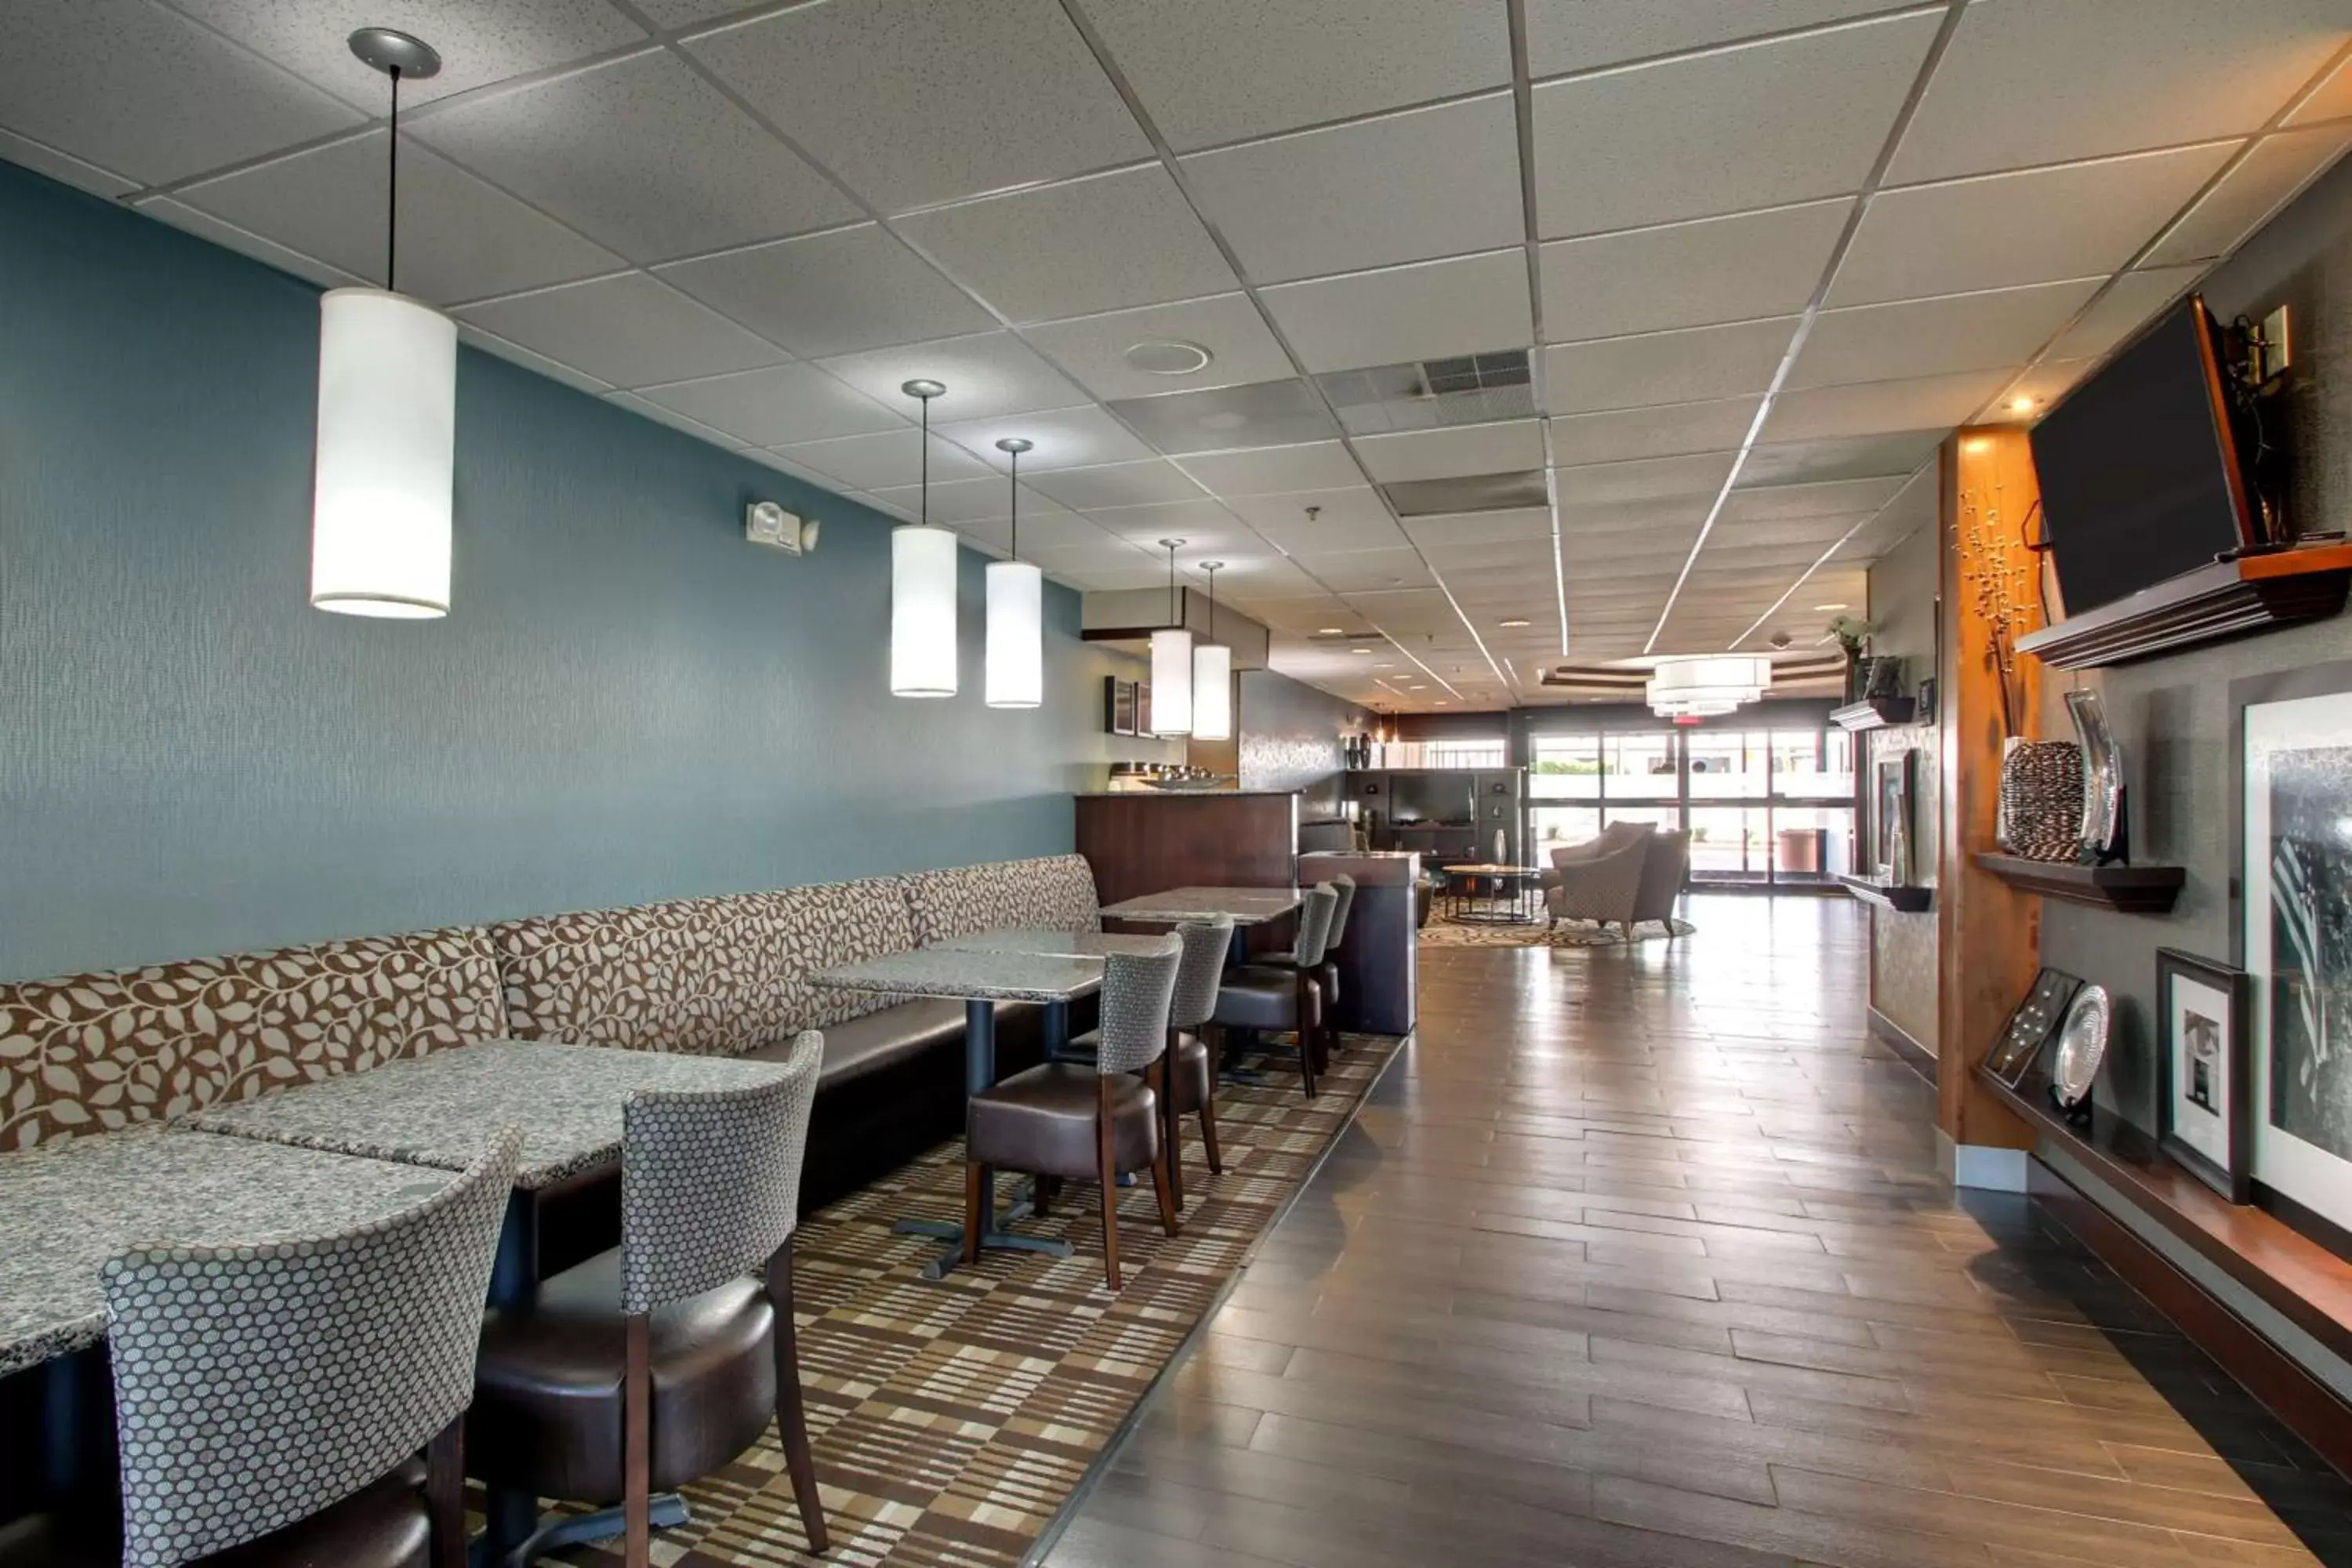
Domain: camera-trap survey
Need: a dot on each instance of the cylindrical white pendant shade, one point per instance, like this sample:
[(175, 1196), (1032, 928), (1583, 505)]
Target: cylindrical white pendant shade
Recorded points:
[(388, 440), (1213, 692), (922, 612), (1017, 635), (1171, 682)]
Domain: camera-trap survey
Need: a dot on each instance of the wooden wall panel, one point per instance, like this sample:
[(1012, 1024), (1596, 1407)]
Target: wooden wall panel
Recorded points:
[(1149, 843)]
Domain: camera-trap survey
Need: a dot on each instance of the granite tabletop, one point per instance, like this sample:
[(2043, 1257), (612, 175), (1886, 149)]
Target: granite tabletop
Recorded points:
[(66, 1210), (975, 975), (1063, 943), (441, 1109), (1248, 906)]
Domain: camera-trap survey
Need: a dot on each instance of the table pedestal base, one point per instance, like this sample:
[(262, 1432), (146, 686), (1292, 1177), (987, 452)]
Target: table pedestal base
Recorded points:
[(667, 1511)]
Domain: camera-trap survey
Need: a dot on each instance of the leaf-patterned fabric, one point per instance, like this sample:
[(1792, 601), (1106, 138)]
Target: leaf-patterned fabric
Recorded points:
[(710, 1180), (96, 1052), (1136, 990), (255, 1386), (1053, 892)]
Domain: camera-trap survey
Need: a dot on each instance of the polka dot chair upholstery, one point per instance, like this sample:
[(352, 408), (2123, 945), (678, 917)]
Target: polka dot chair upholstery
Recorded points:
[(256, 1387), (710, 1181), (1137, 988), (1200, 971)]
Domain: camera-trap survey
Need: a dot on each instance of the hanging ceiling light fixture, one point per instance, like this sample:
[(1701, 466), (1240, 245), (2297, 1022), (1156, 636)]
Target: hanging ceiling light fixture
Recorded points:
[(388, 430), (1016, 604), (1213, 675), (923, 586), (1708, 687), (1171, 663)]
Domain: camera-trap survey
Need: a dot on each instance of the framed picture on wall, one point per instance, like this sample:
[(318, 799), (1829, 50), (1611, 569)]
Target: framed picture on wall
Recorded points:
[(1143, 707), (2202, 1113), (1890, 817), (2290, 814), (1118, 705), (2030, 1028)]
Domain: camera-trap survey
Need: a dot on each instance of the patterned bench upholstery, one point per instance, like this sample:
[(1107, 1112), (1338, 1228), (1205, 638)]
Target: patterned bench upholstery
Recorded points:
[(1055, 892), (718, 975), (95, 1052)]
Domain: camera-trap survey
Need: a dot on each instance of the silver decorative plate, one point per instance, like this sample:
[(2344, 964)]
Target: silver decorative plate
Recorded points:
[(2081, 1046)]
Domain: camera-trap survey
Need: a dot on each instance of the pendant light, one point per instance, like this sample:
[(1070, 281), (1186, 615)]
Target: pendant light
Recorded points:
[(1171, 663), (923, 587), (1213, 675), (1016, 604), (387, 415)]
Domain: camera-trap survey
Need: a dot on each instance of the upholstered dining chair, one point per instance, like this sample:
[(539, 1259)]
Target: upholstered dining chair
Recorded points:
[(1192, 1080), (1326, 974), (1080, 1122), (271, 1400), (1288, 995), (660, 1360)]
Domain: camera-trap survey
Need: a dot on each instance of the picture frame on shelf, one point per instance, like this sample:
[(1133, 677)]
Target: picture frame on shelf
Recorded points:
[(2204, 1106), (2032, 1026), (2290, 796), (1118, 705), (1890, 817)]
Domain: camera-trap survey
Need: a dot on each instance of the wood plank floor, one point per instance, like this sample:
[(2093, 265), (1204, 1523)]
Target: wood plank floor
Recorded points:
[(1641, 1258)]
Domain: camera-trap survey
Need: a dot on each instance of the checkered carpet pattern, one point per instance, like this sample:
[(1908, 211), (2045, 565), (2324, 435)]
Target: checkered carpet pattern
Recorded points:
[(952, 1419)]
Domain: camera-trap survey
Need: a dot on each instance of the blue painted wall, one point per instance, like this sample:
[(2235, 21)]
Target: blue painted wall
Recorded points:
[(626, 702)]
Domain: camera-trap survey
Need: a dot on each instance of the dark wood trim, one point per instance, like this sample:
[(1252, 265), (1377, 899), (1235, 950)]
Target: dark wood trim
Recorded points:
[(2126, 889), (444, 1493), (1141, 844), (2309, 1407), (1914, 1053), (2212, 604), (792, 1415), (2288, 1271), (1901, 897)]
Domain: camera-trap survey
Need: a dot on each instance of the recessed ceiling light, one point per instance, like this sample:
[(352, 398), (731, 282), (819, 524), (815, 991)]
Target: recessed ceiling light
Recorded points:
[(1168, 356), (1384, 664), (1439, 703), (2020, 404), (1359, 650), (1825, 607), (1328, 632), (1514, 625)]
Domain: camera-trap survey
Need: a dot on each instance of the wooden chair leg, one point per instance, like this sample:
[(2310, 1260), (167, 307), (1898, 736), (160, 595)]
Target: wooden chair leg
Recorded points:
[(1307, 1026), (1163, 1185), (1171, 1124), (1107, 1167), (638, 1453), (975, 1183), (791, 1417), (444, 1494), (1209, 1130)]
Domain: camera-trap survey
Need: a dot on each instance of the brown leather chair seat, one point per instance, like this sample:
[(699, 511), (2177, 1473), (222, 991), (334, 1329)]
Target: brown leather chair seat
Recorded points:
[(1194, 1067), (382, 1526), (1262, 996), (547, 1400), (1043, 1121)]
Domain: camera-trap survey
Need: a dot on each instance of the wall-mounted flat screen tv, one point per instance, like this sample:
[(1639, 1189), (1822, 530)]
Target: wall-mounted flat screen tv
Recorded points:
[(2140, 475)]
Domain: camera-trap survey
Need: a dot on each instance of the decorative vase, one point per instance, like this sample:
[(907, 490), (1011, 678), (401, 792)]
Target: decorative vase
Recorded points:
[(2041, 815)]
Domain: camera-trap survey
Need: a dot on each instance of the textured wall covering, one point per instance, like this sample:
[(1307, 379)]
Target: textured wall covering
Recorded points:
[(627, 703), (1290, 736), (1903, 957), (2173, 715)]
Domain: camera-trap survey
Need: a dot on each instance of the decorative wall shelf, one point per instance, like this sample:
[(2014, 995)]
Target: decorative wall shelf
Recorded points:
[(2212, 603), (2127, 889), (1874, 713), (1901, 897)]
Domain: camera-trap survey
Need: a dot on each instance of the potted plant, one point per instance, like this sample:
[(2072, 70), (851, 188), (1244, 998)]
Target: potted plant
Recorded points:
[(1853, 634)]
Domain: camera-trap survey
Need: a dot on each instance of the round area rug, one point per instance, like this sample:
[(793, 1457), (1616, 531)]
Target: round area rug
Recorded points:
[(1442, 933)]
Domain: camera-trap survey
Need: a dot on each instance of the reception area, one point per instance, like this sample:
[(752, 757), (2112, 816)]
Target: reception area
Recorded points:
[(1108, 783)]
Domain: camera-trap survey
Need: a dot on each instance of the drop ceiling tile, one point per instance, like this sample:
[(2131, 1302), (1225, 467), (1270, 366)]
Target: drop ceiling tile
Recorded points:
[(886, 460), (228, 235), (1669, 430), (1579, 35), (1872, 407), (1695, 365), (538, 364), (832, 293), (1688, 274), (671, 417), (1998, 230), (478, 44), (1438, 534), (46, 160), (1405, 187), (677, 14), (2042, 385), (1367, 571), (2277, 168), (1206, 530), (957, 503), (1844, 457), (1102, 243), (1261, 414), (1349, 518), (629, 329), (1065, 439), (779, 406), (641, 155), (1434, 310), (918, 102), (72, 71), (1094, 348), (1835, 498), (1786, 122), (1223, 71), (1646, 519), (2037, 81), (2333, 100), (1270, 470), (1998, 328), (1459, 449), (459, 240), (1249, 583), (1147, 483), (2120, 311), (1642, 480), (1044, 526), (985, 374)]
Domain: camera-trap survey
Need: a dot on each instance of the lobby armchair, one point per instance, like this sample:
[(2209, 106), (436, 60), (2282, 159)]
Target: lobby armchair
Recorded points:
[(1638, 881)]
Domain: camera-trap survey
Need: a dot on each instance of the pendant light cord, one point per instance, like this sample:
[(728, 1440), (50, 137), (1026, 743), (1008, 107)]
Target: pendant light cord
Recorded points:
[(392, 192), (1212, 603), (1174, 619), (1016, 503), (925, 459)]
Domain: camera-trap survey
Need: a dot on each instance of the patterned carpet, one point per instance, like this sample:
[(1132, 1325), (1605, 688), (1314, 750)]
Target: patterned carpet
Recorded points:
[(1443, 932), (952, 1419)]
